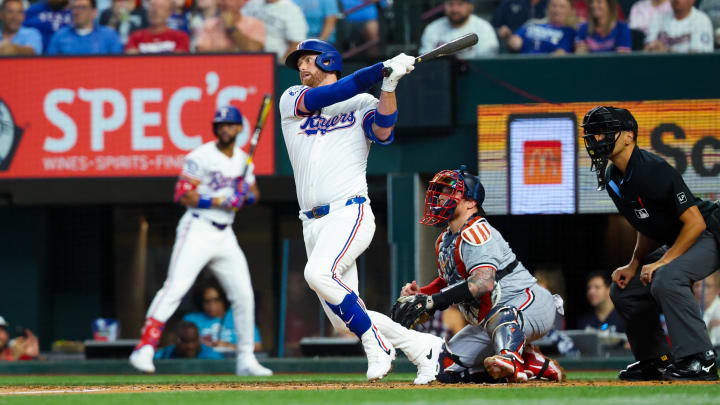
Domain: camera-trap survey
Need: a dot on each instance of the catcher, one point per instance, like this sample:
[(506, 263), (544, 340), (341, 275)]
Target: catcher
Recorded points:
[(502, 302)]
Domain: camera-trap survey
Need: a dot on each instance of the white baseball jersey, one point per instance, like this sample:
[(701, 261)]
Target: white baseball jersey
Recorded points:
[(693, 33), (328, 150), (440, 32), (217, 174)]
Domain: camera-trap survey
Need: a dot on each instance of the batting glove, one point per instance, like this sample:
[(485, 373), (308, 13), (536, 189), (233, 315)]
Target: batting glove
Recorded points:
[(237, 200), (401, 65)]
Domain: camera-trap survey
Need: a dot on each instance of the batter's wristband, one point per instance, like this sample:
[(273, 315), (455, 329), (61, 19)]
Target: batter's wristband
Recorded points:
[(205, 201), (249, 198), (385, 121)]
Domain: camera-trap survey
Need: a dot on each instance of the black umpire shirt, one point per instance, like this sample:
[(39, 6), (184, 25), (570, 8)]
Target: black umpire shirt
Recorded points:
[(651, 195)]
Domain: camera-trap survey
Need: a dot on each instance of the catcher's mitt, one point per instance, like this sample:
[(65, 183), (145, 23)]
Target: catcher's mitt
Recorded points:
[(411, 310)]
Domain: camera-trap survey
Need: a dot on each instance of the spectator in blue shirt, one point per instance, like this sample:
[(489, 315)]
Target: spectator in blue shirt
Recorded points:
[(84, 37), (48, 17), (363, 23), (215, 322), (187, 345), (555, 35), (14, 38), (321, 16), (603, 32), (510, 15)]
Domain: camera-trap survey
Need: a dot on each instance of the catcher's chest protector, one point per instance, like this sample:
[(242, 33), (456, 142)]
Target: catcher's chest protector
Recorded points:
[(452, 268)]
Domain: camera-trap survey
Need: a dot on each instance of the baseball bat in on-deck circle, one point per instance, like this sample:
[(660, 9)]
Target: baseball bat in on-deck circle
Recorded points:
[(456, 45)]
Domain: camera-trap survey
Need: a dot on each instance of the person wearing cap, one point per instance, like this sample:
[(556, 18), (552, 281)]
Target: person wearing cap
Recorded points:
[(674, 247), (216, 181), (459, 20)]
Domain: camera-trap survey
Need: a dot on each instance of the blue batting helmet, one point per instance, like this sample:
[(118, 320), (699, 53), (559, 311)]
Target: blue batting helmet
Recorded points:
[(329, 59), (228, 114)]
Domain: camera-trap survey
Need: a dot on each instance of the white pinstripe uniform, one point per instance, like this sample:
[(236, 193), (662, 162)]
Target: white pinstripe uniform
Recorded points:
[(205, 237)]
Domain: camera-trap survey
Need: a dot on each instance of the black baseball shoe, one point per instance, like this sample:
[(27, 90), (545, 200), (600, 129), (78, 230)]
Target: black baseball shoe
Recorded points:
[(465, 377), (645, 370), (698, 367)]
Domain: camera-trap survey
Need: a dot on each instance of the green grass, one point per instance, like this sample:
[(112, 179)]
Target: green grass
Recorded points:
[(69, 380), (674, 394)]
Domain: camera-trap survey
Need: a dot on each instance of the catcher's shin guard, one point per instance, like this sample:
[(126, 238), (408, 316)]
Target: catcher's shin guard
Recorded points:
[(504, 326)]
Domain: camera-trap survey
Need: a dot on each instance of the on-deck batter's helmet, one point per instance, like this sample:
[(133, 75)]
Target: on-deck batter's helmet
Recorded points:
[(601, 126), (445, 191), (329, 59), (228, 115)]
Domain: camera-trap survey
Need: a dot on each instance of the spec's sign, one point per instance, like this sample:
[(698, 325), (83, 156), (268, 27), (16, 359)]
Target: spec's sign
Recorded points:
[(532, 159), (124, 116)]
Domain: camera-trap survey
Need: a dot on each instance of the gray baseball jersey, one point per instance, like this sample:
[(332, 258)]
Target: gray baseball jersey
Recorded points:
[(479, 245)]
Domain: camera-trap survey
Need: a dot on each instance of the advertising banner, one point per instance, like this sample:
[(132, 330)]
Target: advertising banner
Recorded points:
[(124, 116), (532, 159)]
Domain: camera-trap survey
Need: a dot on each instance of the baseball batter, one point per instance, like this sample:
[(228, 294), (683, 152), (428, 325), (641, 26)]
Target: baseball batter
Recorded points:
[(503, 304), (212, 189), (328, 125)]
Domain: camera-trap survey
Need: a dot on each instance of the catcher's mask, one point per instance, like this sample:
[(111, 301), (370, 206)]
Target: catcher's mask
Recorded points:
[(445, 191), (602, 126)]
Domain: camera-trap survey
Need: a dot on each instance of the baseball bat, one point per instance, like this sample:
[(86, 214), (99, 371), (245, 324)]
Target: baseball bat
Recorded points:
[(456, 45), (262, 117)]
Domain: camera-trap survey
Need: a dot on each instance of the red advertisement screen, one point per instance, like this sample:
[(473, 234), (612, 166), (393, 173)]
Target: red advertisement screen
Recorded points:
[(124, 116)]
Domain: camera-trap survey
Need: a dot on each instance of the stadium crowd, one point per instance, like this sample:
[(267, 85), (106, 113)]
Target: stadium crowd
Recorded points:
[(98, 27)]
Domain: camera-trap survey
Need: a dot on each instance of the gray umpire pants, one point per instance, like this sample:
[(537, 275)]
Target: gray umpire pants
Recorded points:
[(670, 292)]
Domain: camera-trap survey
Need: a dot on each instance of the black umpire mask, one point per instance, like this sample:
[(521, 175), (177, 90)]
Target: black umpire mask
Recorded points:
[(602, 126)]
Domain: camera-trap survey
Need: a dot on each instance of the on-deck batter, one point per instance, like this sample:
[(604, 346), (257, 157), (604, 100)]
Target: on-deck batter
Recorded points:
[(212, 189)]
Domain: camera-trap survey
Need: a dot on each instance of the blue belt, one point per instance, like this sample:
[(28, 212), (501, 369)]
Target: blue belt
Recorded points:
[(215, 224), (322, 210)]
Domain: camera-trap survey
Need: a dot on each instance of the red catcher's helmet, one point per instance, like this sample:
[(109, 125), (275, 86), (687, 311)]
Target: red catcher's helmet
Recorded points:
[(444, 192)]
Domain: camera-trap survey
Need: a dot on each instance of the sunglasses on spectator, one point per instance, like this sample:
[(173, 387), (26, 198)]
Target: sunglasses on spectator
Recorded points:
[(208, 300)]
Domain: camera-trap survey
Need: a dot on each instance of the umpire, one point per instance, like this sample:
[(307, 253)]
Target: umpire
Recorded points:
[(673, 249)]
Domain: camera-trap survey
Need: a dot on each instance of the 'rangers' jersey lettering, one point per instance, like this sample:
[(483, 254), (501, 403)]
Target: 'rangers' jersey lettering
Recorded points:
[(328, 149), (218, 175)]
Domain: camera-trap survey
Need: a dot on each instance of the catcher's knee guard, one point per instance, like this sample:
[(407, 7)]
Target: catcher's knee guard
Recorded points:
[(504, 326)]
